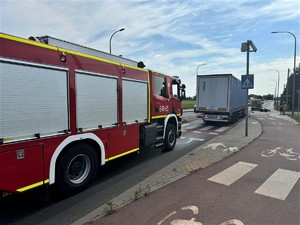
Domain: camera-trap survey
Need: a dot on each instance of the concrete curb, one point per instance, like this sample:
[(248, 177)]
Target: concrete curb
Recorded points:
[(211, 152)]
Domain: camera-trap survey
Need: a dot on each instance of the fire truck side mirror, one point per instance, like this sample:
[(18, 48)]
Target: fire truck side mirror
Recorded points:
[(182, 90)]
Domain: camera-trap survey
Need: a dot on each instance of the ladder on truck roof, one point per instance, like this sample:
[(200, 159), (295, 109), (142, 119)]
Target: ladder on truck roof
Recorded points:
[(90, 51)]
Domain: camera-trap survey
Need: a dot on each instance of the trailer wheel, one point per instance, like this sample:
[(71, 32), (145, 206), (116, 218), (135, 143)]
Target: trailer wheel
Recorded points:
[(170, 137), (76, 169), (243, 113)]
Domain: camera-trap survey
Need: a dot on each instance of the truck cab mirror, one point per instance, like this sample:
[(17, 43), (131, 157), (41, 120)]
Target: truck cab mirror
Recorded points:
[(182, 92), (176, 81), (182, 95)]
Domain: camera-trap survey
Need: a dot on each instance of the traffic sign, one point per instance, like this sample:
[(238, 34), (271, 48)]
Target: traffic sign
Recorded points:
[(248, 81)]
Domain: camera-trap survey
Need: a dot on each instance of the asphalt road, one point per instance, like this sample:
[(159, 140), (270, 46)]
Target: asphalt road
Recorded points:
[(113, 179), (258, 185)]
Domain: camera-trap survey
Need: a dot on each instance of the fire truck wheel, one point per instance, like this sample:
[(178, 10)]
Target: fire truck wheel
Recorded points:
[(170, 138), (76, 169)]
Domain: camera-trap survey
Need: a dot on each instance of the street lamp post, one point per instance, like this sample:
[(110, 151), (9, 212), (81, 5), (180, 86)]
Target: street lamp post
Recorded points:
[(198, 68), (111, 38), (287, 90), (274, 90), (276, 102), (277, 86), (294, 81)]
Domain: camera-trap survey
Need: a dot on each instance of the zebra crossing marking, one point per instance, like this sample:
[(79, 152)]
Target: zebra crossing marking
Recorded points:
[(221, 129), (279, 184), (233, 173), (206, 128)]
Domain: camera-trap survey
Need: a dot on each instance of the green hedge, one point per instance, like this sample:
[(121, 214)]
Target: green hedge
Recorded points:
[(188, 104)]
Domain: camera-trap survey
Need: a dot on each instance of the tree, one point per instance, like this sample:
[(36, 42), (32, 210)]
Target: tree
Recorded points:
[(268, 97), (289, 88)]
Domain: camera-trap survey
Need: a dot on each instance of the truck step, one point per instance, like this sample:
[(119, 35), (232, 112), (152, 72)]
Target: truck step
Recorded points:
[(159, 139), (159, 144), (159, 128)]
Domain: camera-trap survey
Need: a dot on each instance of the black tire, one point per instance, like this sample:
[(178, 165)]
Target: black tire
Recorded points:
[(170, 137), (234, 117), (230, 119), (244, 113), (76, 169)]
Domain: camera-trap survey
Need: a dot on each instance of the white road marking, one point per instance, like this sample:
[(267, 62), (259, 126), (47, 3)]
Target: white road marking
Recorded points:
[(192, 126), (214, 145), (231, 149), (193, 220), (206, 128), (197, 139), (163, 220), (233, 221), (221, 129), (279, 184), (233, 173), (197, 132), (185, 125), (194, 209), (192, 139)]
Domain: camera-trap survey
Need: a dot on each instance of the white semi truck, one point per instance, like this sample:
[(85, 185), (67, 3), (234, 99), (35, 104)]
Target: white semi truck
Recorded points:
[(220, 98)]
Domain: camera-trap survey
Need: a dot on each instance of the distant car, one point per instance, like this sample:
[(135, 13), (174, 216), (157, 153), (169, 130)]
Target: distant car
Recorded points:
[(256, 104)]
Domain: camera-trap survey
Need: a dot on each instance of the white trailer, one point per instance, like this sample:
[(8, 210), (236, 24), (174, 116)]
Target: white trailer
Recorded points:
[(219, 97)]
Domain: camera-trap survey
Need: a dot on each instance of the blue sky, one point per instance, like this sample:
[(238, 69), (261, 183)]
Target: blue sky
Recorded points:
[(172, 36)]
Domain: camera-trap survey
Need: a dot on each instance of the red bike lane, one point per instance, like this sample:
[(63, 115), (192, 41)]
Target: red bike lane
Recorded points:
[(257, 185)]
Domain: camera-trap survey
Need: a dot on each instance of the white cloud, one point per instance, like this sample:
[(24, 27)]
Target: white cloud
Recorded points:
[(169, 36)]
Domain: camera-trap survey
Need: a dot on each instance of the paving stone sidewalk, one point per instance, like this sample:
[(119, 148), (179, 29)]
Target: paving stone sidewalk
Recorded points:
[(210, 152), (276, 114)]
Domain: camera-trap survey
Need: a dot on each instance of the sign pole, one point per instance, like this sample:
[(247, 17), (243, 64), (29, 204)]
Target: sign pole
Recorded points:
[(247, 74), (247, 80)]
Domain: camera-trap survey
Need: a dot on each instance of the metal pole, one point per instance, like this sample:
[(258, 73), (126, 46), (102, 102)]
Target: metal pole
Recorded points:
[(275, 100), (247, 73), (294, 77), (279, 99), (246, 48), (198, 68), (111, 38), (287, 90), (298, 101)]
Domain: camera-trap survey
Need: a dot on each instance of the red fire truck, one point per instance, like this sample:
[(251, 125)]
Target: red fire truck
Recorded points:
[(66, 109)]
